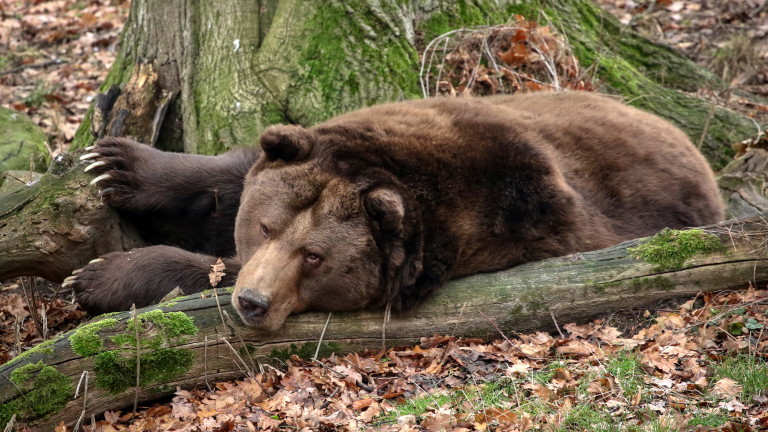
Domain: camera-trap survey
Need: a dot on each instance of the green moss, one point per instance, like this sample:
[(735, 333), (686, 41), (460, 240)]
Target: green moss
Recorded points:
[(116, 370), (352, 63), (669, 249), (22, 143), (42, 349), (600, 287), (306, 351), (464, 14), (44, 389), (86, 342), (655, 283)]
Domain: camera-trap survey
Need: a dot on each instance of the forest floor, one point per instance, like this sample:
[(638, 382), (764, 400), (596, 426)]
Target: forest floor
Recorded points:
[(698, 365)]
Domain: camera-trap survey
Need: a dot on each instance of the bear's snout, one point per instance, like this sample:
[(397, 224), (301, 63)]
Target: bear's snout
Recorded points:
[(253, 304)]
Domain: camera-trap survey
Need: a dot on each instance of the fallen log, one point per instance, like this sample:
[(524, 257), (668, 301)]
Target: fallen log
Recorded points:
[(199, 339), (53, 224)]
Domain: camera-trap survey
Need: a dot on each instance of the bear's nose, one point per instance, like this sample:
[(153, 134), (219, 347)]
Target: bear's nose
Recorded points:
[(254, 305)]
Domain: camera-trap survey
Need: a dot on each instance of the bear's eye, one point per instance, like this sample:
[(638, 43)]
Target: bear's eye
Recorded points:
[(312, 258), (264, 231)]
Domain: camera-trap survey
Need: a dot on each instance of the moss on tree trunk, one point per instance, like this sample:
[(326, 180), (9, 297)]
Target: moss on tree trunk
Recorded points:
[(234, 68)]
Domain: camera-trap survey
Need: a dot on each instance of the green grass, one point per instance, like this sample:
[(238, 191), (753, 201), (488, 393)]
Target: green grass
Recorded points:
[(488, 395), (711, 420), (37, 97), (588, 417), (750, 371), (546, 375), (628, 372)]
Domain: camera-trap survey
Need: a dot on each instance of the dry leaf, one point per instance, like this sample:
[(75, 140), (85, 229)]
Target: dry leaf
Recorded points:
[(217, 272)]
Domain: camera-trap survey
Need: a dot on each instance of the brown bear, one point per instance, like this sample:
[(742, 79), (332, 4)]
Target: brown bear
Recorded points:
[(385, 204)]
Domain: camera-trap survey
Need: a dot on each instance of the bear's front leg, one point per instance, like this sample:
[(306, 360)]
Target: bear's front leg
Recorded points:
[(189, 201), (143, 277)]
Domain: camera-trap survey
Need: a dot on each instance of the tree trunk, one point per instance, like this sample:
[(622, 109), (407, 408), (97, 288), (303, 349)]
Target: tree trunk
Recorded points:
[(529, 297)]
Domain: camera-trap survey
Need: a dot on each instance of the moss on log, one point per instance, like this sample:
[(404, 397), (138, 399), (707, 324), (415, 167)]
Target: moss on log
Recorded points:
[(525, 298), (53, 224)]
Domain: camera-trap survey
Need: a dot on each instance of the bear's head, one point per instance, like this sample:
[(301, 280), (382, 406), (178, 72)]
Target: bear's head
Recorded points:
[(312, 238)]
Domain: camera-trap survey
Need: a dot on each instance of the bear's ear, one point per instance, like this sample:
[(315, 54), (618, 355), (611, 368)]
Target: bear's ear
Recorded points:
[(385, 206), (289, 143)]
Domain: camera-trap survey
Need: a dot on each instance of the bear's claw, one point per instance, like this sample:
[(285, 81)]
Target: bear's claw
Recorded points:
[(89, 156), (94, 165), (69, 281), (100, 178)]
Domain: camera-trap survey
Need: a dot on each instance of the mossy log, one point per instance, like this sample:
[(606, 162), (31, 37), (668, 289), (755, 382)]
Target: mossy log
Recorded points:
[(54, 223), (199, 339)]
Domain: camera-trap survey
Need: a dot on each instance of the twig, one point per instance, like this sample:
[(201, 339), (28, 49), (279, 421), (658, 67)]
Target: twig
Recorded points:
[(706, 124), (42, 65), (247, 370), (552, 314), (387, 314), (458, 321), (10, 424), (138, 359), (83, 377), (218, 305), (495, 326), (322, 334), (205, 364), (254, 362)]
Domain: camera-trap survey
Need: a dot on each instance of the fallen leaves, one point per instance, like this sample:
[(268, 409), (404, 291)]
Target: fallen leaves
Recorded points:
[(53, 57), (521, 56)]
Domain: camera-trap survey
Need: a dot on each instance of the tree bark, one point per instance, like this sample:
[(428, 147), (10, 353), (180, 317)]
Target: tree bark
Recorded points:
[(528, 297)]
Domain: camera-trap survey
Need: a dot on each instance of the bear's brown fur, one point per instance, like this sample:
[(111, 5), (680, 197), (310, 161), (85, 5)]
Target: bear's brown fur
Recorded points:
[(385, 204)]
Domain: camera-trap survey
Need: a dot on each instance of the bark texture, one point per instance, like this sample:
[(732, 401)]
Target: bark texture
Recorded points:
[(53, 224), (573, 288)]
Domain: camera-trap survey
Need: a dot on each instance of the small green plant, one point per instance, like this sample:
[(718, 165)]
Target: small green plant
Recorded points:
[(750, 371), (37, 97), (711, 420), (587, 417), (628, 372)]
